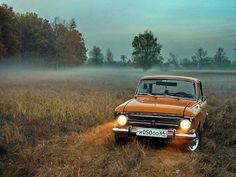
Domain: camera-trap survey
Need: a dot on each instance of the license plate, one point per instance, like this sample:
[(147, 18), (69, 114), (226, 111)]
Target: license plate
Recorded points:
[(151, 132)]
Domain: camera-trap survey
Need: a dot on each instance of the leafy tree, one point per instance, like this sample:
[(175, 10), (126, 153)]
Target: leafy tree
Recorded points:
[(123, 59), (95, 56), (221, 58), (109, 56), (70, 45), (185, 62), (201, 59), (173, 60), (2, 50), (37, 36), (72, 25), (30, 37), (146, 50), (9, 32)]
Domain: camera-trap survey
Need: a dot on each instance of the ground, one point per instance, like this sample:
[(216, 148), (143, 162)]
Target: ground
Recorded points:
[(58, 123)]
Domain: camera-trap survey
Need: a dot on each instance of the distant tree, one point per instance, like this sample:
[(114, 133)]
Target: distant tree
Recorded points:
[(9, 32), (221, 58), (109, 56), (185, 62), (123, 59), (173, 60), (2, 50), (72, 25), (30, 37), (69, 43), (146, 50), (201, 59), (95, 56), (37, 36)]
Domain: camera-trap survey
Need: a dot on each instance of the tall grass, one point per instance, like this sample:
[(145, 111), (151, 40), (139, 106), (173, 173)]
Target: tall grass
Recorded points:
[(59, 124)]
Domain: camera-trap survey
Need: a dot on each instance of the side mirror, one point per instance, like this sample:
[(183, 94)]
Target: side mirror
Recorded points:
[(203, 98)]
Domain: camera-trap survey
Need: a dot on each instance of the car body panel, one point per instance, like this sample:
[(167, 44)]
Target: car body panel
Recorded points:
[(194, 110)]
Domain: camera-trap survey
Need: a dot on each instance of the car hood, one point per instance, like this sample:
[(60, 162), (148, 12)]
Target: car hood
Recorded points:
[(158, 105)]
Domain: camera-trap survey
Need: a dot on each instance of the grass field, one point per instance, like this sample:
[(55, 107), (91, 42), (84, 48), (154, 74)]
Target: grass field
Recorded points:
[(58, 123)]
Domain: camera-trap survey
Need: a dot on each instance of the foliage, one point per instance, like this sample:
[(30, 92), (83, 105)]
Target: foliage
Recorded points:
[(146, 50), (220, 58), (123, 59), (9, 32), (201, 59), (95, 56), (30, 37), (109, 56), (173, 60)]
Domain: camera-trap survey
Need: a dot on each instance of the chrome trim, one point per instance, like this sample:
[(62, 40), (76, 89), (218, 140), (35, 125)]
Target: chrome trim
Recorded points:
[(156, 116), (170, 133), (153, 123)]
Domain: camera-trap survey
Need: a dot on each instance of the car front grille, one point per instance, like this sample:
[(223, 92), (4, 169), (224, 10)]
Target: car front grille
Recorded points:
[(153, 120)]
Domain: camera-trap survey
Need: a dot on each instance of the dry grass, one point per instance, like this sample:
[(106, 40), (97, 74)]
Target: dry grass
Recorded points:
[(59, 124)]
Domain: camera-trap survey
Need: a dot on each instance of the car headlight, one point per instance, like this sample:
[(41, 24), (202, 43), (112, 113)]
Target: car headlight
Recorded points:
[(185, 124), (122, 120)]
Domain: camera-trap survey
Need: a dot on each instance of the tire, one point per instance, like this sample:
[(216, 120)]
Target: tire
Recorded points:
[(120, 140), (195, 144)]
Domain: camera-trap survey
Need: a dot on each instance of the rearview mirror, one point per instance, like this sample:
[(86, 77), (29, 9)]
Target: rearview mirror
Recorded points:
[(203, 98), (166, 83), (144, 86)]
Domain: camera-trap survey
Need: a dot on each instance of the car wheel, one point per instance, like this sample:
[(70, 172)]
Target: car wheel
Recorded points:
[(120, 140), (195, 143)]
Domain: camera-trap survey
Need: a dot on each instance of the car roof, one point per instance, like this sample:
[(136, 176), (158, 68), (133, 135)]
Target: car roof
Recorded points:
[(193, 79)]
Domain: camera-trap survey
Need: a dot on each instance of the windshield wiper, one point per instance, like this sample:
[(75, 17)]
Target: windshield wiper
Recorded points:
[(171, 96), (148, 94)]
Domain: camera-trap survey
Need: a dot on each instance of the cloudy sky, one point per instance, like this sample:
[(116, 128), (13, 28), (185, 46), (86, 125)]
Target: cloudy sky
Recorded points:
[(181, 26)]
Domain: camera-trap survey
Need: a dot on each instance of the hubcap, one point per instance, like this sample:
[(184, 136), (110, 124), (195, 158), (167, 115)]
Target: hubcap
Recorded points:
[(193, 145)]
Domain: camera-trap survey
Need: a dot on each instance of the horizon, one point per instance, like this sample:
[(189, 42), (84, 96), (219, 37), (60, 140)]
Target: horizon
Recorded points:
[(190, 25)]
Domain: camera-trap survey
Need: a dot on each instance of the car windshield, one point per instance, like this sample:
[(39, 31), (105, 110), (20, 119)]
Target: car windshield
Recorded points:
[(167, 88)]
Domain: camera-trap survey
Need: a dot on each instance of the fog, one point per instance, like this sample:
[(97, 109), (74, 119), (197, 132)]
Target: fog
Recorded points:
[(126, 77)]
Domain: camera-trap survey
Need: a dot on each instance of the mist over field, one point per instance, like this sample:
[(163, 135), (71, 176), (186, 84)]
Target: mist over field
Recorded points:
[(66, 65), (58, 123)]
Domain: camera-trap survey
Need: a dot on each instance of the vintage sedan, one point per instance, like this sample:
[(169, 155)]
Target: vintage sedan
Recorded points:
[(164, 106)]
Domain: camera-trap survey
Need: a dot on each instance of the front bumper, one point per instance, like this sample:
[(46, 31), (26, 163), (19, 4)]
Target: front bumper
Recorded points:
[(172, 133)]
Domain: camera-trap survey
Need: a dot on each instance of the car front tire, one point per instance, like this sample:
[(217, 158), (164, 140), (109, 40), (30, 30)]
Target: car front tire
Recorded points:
[(195, 144)]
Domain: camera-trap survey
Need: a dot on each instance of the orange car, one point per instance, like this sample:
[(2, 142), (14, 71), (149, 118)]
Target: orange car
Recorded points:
[(164, 106)]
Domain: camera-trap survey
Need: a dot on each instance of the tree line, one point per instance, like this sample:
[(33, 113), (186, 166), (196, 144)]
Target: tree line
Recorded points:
[(147, 54), (27, 38)]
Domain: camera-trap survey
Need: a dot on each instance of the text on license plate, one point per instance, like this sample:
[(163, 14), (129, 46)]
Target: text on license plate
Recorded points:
[(161, 133)]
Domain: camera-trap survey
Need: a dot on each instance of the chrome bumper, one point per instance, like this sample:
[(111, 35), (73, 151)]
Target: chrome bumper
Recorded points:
[(171, 133)]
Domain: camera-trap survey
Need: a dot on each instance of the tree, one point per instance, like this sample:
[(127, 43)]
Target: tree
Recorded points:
[(69, 44), (37, 36), (123, 59), (109, 56), (173, 60), (30, 37), (72, 25), (185, 62), (146, 50), (9, 32), (221, 58), (95, 56), (201, 59)]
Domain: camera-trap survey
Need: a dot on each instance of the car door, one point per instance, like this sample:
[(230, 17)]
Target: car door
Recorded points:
[(203, 105)]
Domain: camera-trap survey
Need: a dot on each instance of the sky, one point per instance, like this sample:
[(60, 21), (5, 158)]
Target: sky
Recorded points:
[(181, 26)]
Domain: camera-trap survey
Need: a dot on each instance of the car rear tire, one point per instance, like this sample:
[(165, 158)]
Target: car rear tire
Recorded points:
[(195, 144)]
